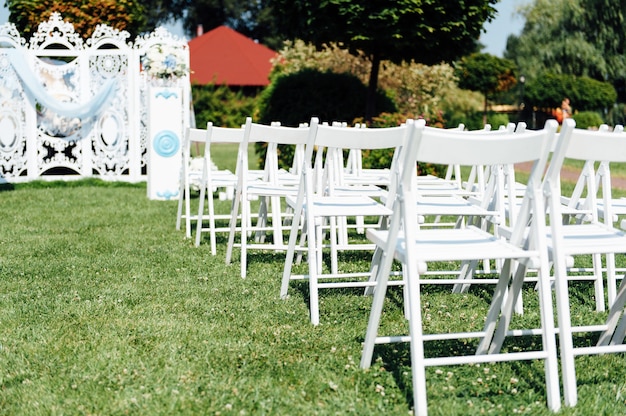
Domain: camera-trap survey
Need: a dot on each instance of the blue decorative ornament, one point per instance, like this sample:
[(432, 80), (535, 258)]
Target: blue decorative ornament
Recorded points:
[(166, 143), (167, 94), (167, 194)]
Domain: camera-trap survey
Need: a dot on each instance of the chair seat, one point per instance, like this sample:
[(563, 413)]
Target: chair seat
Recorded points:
[(589, 239), (381, 179), (618, 207), (366, 189), (449, 205), (271, 189), (345, 206), (223, 176), (469, 243)]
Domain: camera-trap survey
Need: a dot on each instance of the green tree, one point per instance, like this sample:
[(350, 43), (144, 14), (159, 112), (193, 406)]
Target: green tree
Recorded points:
[(427, 31), (253, 18), (85, 15), (157, 12), (486, 74), (577, 37)]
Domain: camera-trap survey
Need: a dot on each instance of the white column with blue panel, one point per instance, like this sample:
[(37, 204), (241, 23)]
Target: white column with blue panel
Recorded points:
[(165, 142)]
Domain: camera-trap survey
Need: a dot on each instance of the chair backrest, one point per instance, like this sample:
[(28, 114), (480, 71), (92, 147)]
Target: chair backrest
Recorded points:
[(358, 138), (224, 134), (273, 135), (597, 145), (338, 138), (469, 149), (475, 181), (192, 136), (221, 135), (476, 147), (196, 135), (589, 146)]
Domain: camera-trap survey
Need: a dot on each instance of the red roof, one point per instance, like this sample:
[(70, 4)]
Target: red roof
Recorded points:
[(224, 56)]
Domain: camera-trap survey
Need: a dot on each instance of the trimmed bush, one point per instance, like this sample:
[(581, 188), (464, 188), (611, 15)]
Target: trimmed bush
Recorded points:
[(587, 119), (586, 94), (223, 106), (295, 98)]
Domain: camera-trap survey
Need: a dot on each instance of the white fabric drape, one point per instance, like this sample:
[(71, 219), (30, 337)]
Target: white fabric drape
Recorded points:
[(36, 90)]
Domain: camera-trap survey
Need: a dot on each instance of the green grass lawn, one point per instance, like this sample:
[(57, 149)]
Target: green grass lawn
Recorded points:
[(106, 309)]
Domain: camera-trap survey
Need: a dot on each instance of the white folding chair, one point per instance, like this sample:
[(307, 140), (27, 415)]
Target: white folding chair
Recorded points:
[(321, 206), (415, 247), (587, 238), (214, 180), (188, 176), (271, 189), (594, 178), (477, 201)]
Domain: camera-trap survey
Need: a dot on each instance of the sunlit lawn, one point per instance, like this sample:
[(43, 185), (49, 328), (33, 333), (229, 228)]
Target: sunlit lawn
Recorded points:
[(106, 309)]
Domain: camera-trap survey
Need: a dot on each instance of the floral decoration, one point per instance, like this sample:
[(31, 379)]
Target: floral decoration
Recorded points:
[(165, 61)]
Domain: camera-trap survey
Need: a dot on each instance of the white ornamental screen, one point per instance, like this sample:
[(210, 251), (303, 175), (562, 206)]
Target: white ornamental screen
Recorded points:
[(71, 108)]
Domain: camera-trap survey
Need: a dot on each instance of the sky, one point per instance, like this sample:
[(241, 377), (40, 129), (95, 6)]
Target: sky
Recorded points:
[(505, 24)]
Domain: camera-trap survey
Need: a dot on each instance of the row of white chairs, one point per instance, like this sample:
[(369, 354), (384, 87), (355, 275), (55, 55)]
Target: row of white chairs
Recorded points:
[(532, 243), (524, 228)]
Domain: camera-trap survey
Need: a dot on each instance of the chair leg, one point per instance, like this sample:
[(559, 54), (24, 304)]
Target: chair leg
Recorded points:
[(212, 237), (551, 365), (510, 300), (491, 323), (466, 272), (181, 197), (333, 231), (261, 224), (200, 215), (245, 227), (291, 248), (614, 333), (493, 340), (187, 212), (233, 226), (382, 278), (316, 242), (568, 368), (375, 265), (314, 263), (418, 367), (611, 281), (277, 229), (303, 242), (599, 283)]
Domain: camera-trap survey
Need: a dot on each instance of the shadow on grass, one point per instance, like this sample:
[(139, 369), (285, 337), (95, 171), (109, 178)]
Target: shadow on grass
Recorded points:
[(396, 360), (4, 187), (94, 182)]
